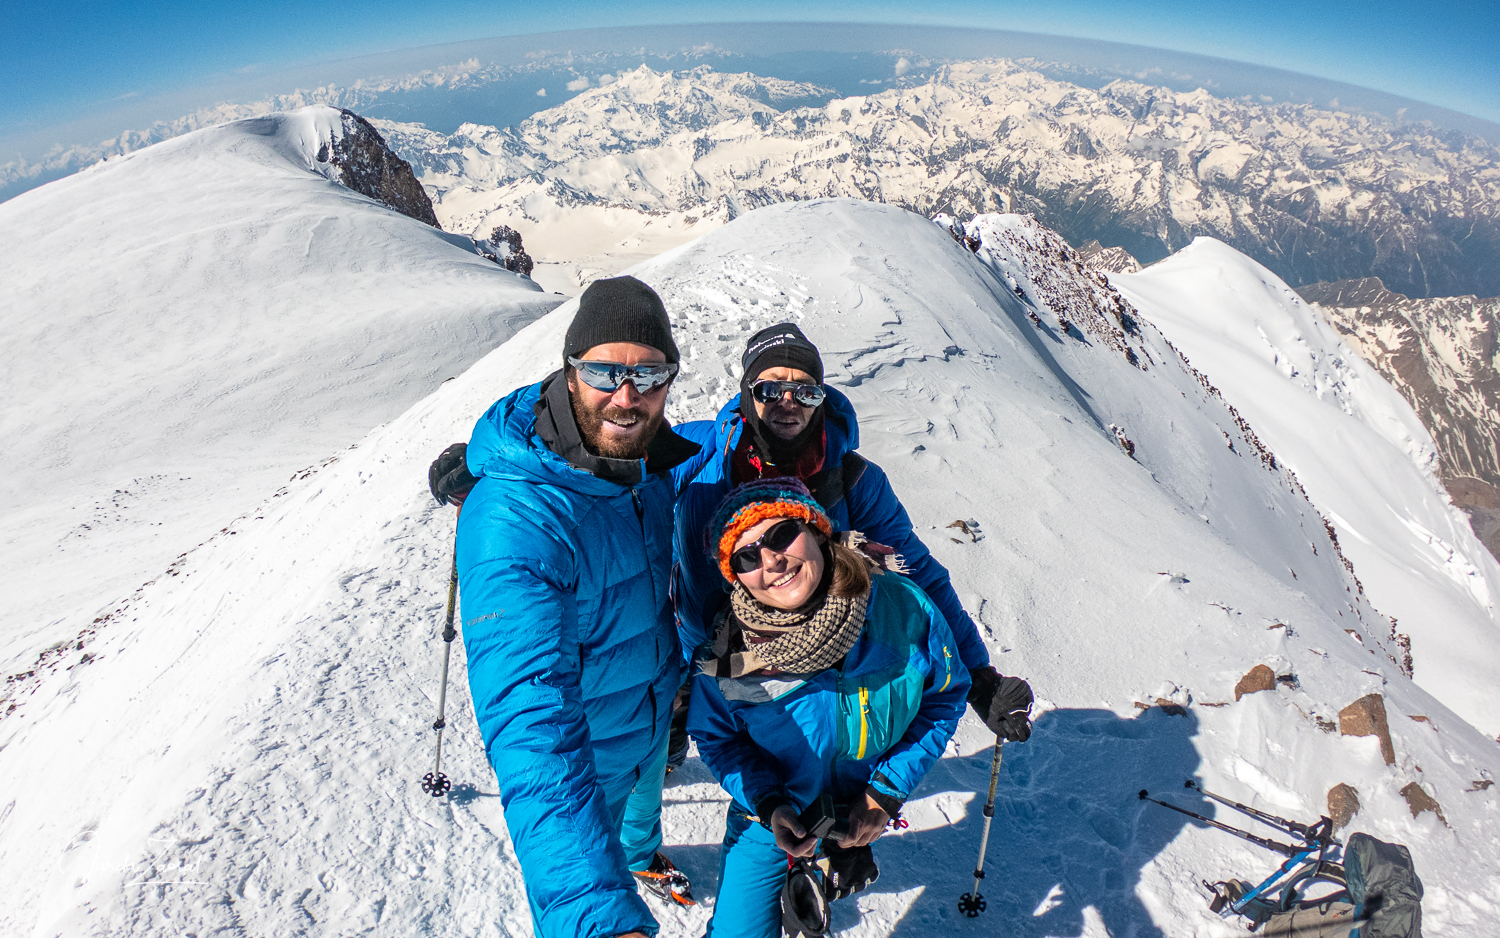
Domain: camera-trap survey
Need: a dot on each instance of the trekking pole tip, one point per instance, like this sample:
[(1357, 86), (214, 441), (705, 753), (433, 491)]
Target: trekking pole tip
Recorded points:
[(1143, 794), (1189, 784)]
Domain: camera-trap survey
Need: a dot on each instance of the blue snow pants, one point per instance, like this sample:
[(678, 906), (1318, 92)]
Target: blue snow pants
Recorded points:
[(752, 870)]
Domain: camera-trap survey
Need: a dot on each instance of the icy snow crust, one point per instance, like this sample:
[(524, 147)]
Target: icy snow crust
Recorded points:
[(184, 328), (1356, 444), (243, 752)]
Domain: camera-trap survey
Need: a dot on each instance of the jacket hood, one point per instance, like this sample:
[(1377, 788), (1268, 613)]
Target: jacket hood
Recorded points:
[(507, 443), (839, 422)]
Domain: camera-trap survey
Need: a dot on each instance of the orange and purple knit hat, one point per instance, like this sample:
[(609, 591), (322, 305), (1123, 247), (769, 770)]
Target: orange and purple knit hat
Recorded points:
[(754, 502)]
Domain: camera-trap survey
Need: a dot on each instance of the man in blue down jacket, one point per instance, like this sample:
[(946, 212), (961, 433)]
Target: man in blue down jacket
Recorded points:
[(564, 554)]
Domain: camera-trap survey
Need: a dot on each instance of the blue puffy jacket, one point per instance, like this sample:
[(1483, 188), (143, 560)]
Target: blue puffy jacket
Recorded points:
[(870, 507), (881, 719), (573, 658)]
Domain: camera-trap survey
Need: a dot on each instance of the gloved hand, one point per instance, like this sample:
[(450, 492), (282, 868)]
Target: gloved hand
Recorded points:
[(1003, 703), (849, 870), (449, 477)]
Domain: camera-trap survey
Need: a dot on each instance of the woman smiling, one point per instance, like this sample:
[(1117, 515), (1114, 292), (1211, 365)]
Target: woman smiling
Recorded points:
[(828, 690)]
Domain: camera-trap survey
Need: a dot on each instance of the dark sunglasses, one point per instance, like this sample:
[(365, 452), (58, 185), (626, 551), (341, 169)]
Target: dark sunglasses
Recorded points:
[(778, 539), (768, 392), (608, 376)]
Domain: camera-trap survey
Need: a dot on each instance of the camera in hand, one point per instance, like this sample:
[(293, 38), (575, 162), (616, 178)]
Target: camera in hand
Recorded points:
[(824, 819)]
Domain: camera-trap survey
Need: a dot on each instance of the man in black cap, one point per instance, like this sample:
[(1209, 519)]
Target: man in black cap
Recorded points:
[(787, 422), (564, 555)]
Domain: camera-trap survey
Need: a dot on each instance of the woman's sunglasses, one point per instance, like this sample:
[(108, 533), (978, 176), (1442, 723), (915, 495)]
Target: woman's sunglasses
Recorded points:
[(768, 392), (778, 539), (608, 376)]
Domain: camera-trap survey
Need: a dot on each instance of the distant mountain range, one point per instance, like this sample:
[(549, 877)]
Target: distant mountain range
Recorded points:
[(1314, 194)]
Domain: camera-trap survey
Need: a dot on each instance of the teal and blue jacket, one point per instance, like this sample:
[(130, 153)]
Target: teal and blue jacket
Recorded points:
[(881, 719), (870, 507), (573, 656)]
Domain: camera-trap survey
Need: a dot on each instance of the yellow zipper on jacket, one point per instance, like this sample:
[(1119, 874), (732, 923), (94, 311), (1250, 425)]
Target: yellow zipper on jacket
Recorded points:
[(948, 664), (864, 723)]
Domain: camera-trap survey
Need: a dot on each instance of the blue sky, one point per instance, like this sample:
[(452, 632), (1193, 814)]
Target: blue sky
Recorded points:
[(59, 60)]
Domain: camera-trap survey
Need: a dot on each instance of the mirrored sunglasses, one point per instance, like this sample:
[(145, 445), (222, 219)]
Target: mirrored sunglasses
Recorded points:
[(608, 376), (808, 395), (778, 539)]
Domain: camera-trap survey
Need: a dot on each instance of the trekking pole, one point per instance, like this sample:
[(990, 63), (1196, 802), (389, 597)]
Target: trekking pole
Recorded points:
[(1311, 833), (435, 783), (1285, 850), (971, 904)]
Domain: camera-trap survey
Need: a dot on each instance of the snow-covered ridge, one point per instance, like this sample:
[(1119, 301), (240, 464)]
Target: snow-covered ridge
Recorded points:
[(1358, 447), (1307, 192), (252, 731), (1441, 355), (184, 328)]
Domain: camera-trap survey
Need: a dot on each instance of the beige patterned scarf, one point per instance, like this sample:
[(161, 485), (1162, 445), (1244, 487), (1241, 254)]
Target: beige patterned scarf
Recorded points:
[(800, 642)]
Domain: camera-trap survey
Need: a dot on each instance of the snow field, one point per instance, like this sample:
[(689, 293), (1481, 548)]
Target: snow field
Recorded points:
[(242, 753), (1356, 444), (183, 329)]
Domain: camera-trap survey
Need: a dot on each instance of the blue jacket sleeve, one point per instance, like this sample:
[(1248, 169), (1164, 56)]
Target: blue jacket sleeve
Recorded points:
[(726, 748), (875, 512), (521, 636), (700, 432), (905, 764)]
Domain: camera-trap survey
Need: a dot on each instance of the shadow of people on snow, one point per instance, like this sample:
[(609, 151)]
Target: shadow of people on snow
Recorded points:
[(1069, 831)]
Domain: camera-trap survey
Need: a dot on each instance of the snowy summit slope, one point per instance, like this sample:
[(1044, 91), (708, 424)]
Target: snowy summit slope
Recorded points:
[(242, 753), (1356, 444), (182, 329)]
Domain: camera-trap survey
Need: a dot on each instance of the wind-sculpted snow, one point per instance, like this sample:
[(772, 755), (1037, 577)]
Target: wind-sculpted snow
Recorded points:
[(242, 751), (1313, 194), (184, 328)]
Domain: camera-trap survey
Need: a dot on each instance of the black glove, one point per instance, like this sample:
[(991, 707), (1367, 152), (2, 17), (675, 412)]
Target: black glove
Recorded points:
[(1003, 703), (449, 477), (849, 870)]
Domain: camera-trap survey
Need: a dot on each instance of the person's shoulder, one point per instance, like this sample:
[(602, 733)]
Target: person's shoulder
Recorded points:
[(517, 518), (504, 431), (898, 605)]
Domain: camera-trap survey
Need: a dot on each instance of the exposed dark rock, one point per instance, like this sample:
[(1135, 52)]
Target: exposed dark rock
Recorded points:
[(503, 246), (1343, 804), (369, 167), (1258, 678), (1418, 801), (1366, 717), (1114, 260), (1440, 354)]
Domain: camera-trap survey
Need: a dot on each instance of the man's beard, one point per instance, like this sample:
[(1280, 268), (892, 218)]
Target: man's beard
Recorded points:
[(591, 428)]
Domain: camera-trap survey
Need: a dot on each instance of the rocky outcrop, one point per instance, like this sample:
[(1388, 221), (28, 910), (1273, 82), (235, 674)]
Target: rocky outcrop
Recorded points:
[(1366, 717), (1257, 679), (1440, 353), (1343, 804), (1417, 800), (503, 246), (1114, 260), (369, 167)]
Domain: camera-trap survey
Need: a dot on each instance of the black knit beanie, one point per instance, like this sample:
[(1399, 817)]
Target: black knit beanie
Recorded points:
[(780, 346), (620, 309)]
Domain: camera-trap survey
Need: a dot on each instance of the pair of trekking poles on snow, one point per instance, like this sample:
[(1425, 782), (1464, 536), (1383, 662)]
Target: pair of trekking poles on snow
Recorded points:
[(436, 784)]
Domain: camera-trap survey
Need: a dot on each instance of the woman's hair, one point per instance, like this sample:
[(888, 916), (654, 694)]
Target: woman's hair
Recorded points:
[(851, 571)]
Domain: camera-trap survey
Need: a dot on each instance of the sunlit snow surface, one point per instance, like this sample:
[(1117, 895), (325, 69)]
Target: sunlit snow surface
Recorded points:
[(1344, 431), (184, 328), (242, 753)]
